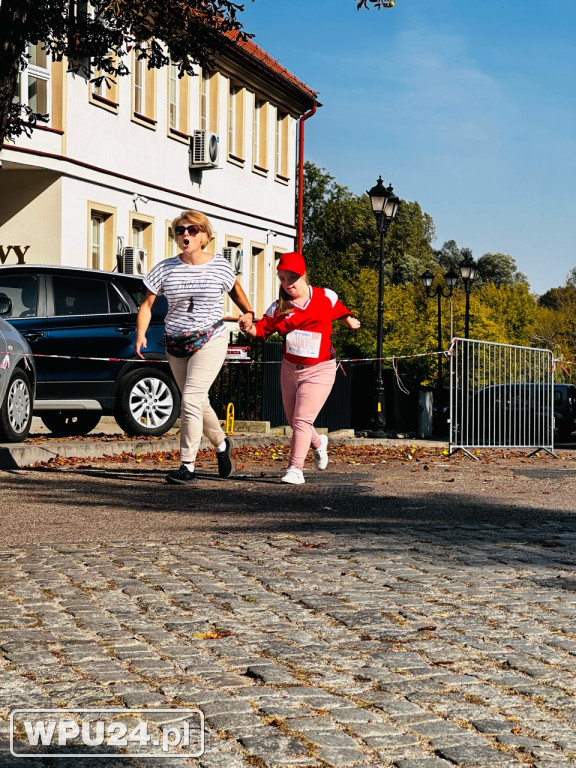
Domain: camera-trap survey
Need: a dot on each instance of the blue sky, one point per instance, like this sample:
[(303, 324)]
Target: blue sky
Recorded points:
[(468, 108)]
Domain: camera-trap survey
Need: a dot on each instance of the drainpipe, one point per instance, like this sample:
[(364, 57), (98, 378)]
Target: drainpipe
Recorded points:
[(301, 174)]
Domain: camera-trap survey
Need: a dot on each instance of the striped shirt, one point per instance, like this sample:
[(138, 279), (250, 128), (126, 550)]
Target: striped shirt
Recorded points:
[(194, 291)]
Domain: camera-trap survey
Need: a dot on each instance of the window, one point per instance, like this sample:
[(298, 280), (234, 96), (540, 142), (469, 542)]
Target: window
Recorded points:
[(138, 228), (105, 94), (173, 104), (275, 284), (79, 296), (169, 241), (230, 309), (22, 290), (178, 96), (101, 237), (97, 241), (142, 236), (33, 88), (259, 136), (209, 101), (235, 123), (281, 147), (257, 278), (139, 86), (143, 91)]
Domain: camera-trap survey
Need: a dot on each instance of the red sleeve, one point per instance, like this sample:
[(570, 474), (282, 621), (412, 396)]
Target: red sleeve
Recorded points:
[(266, 326), (341, 311), (338, 309)]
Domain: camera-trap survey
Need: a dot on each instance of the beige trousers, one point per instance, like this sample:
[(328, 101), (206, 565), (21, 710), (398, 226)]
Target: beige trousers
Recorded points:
[(194, 376)]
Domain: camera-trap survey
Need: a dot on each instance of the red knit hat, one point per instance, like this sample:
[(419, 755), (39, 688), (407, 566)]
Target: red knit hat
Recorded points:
[(292, 262)]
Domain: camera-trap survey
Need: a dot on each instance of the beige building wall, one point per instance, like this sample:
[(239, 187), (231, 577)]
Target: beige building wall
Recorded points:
[(31, 216)]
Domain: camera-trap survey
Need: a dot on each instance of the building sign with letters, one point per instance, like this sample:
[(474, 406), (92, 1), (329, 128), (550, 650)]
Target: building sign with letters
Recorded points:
[(19, 250)]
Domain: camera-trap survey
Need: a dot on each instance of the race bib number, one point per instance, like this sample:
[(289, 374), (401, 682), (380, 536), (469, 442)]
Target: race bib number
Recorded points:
[(303, 343)]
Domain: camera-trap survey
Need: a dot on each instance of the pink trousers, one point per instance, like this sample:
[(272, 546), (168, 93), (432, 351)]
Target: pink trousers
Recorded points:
[(304, 392)]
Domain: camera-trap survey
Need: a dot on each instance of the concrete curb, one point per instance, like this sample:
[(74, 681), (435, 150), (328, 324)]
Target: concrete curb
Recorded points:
[(14, 456)]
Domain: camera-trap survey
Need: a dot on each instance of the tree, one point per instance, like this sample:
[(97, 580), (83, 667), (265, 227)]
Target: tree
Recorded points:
[(409, 244), (95, 37), (500, 269), (450, 255), (571, 278), (339, 235)]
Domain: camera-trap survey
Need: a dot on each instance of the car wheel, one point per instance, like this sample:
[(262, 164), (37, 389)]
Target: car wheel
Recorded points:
[(16, 410), (148, 402), (70, 423)]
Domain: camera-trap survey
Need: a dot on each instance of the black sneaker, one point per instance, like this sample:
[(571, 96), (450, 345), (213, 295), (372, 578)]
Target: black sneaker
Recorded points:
[(181, 476), (224, 461)]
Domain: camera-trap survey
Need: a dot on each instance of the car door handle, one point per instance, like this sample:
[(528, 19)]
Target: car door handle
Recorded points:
[(125, 329), (33, 335)]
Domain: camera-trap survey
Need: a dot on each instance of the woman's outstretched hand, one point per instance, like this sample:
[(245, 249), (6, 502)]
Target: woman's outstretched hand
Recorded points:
[(246, 321)]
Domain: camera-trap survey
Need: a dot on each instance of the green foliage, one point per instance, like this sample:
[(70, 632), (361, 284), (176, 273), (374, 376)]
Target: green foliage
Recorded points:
[(94, 37), (342, 251), (450, 255), (499, 269), (409, 244)]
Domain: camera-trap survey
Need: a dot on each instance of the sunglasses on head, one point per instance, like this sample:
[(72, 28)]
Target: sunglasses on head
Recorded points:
[(191, 229)]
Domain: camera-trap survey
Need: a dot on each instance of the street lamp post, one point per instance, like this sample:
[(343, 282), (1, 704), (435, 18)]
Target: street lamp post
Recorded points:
[(468, 272), (384, 206), (451, 279)]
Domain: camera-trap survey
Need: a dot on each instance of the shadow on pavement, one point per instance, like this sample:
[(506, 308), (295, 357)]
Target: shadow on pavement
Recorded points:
[(138, 504)]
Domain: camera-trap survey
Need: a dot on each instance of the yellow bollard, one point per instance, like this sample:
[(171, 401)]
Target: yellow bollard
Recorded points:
[(230, 419)]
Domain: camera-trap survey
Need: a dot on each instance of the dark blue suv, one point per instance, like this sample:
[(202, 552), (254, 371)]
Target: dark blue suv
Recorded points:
[(81, 327)]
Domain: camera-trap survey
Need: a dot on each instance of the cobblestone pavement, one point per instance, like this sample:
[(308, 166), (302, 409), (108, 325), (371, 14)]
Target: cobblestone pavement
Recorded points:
[(429, 642)]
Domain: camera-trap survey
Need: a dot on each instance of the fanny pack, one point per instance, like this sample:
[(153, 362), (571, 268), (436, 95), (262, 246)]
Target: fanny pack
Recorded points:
[(187, 344)]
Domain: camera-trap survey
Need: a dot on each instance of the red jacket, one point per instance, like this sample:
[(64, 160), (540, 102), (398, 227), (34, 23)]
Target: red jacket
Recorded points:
[(307, 330)]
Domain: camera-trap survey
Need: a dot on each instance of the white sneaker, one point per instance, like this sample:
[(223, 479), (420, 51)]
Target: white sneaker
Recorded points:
[(321, 454), (293, 476)]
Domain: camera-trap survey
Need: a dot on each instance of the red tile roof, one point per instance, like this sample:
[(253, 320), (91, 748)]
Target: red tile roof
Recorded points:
[(255, 52)]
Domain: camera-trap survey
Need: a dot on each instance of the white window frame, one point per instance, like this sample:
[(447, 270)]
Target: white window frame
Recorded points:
[(97, 244), (232, 95), (139, 85), (173, 98), (253, 277), (34, 72), (204, 101)]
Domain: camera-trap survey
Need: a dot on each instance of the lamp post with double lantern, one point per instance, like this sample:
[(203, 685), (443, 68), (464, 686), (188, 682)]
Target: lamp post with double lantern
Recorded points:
[(384, 207)]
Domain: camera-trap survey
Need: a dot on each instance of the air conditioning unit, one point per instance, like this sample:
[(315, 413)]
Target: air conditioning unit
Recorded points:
[(235, 257), (203, 150), (134, 260)]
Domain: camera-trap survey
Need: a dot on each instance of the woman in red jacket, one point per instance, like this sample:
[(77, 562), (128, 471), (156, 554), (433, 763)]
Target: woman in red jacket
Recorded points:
[(303, 315)]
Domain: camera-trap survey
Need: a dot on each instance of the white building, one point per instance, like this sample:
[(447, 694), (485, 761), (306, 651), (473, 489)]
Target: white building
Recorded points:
[(112, 167)]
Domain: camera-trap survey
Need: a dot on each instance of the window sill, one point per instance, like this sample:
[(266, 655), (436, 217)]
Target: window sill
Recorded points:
[(147, 122), (281, 179), (104, 103), (259, 170), (47, 128), (173, 133), (239, 161)]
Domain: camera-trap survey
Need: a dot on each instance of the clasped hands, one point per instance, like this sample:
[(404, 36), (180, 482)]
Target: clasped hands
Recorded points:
[(246, 321)]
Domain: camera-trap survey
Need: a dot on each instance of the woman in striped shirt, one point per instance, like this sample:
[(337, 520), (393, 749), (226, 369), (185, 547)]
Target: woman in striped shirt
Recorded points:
[(194, 283)]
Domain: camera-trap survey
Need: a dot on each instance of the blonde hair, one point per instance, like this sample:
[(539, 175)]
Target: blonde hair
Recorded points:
[(285, 304), (195, 217)]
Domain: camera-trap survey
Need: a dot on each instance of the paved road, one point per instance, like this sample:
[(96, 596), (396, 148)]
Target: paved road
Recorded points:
[(415, 616)]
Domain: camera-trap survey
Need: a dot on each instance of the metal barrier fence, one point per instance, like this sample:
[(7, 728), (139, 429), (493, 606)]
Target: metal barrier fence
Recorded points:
[(501, 396)]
